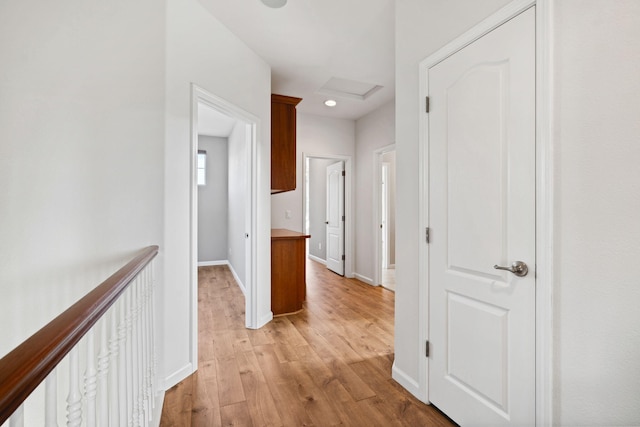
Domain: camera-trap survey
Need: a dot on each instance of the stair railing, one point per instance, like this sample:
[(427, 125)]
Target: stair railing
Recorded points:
[(107, 342)]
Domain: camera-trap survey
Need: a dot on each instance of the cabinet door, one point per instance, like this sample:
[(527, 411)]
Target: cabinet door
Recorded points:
[(283, 143)]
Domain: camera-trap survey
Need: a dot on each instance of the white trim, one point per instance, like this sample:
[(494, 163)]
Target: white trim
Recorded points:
[(348, 205), (252, 318), (158, 402), (202, 96), (210, 263), (237, 279), (317, 259), (364, 279), (178, 375), (492, 22), (405, 380), (375, 209), (544, 212), (264, 320), (544, 195)]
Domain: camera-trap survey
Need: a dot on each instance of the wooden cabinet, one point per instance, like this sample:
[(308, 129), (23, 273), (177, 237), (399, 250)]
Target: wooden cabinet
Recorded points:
[(288, 271), (283, 143)]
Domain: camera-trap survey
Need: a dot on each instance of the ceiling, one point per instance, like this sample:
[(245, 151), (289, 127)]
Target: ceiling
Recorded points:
[(214, 123), (307, 43)]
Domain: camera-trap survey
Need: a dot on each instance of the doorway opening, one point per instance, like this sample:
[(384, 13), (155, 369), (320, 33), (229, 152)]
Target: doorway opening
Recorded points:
[(323, 247), (225, 135), (384, 212)]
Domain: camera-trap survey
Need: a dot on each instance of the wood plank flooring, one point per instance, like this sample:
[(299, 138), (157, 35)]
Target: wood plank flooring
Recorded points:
[(328, 365)]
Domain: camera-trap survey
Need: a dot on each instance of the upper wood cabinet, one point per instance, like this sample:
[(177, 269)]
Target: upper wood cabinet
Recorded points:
[(283, 143)]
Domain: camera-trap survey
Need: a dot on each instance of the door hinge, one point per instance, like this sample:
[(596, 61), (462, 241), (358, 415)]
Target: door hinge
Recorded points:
[(426, 104), (343, 217), (426, 234), (426, 351), (343, 257), (343, 173)]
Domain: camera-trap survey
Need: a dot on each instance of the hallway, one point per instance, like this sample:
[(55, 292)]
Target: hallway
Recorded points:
[(327, 365)]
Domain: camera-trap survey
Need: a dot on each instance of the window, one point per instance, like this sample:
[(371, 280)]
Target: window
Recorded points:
[(202, 161)]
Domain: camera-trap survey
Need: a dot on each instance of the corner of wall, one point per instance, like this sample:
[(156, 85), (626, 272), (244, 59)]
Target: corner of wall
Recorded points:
[(176, 377), (365, 279), (409, 383)]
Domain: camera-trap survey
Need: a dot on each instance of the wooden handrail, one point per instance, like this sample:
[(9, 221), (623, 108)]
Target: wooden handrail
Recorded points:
[(25, 367)]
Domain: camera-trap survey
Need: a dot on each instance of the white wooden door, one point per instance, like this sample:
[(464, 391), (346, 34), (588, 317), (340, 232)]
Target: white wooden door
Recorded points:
[(481, 214), (335, 217)]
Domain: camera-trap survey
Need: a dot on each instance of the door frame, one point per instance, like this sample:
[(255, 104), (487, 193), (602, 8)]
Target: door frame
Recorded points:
[(384, 214), (544, 196), (202, 96), (377, 255), (348, 205)]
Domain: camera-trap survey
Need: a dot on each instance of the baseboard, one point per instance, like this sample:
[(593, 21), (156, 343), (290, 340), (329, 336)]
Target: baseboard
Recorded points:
[(364, 279), (177, 376), (233, 272), (238, 281), (391, 267), (411, 385), (210, 263), (316, 259), (158, 401), (265, 319)]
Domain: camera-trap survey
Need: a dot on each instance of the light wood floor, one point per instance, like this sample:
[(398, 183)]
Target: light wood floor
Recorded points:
[(327, 365)]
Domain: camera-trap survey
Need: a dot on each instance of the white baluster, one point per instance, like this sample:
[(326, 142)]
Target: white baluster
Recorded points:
[(17, 419), (122, 364), (129, 357), (90, 380), (103, 371), (51, 399), (135, 414), (140, 353), (74, 400), (152, 337), (114, 412), (145, 344)]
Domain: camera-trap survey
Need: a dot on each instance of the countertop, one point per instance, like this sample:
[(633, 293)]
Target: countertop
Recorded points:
[(282, 233)]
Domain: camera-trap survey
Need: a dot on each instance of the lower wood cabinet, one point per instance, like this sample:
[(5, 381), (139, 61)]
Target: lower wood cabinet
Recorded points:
[(288, 271)]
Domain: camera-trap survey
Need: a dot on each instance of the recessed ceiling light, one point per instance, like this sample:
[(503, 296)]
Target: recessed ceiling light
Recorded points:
[(274, 3), (330, 103)]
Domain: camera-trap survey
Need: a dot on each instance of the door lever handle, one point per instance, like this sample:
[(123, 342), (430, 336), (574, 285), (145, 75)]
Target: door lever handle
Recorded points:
[(518, 268)]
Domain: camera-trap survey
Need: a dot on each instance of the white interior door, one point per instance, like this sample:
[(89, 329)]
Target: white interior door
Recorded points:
[(335, 218), (481, 214)]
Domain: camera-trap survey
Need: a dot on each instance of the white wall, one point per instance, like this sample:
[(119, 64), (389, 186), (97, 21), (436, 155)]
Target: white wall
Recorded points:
[(81, 150), (422, 27), (373, 131), (213, 205), (238, 192), (597, 288), (319, 136), (201, 50)]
